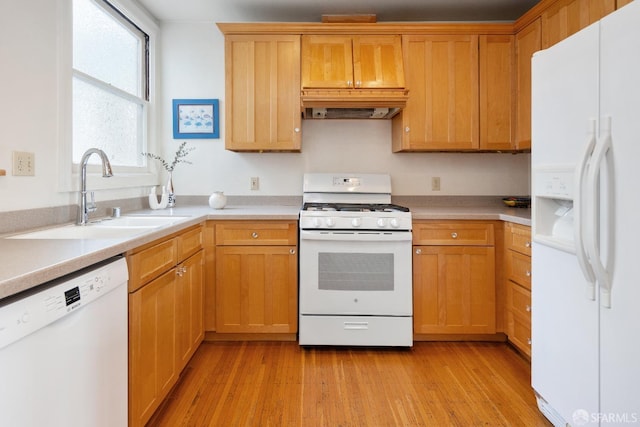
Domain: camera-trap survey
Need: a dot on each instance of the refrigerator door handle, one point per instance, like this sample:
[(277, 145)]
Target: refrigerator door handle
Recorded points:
[(578, 211), (603, 146)]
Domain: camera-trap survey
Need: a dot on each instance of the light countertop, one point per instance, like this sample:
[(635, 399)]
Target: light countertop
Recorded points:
[(28, 263)]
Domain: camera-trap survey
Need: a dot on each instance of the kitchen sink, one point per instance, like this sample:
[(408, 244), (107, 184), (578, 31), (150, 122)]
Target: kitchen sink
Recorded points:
[(110, 228)]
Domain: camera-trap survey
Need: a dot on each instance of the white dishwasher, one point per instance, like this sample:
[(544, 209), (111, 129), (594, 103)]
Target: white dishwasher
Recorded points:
[(63, 351)]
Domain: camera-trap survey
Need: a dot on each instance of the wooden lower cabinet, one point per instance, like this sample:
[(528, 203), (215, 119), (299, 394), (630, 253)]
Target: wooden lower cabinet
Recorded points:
[(518, 285), (256, 289), (165, 317), (189, 308), (454, 287), (256, 279), (454, 290), (152, 327)]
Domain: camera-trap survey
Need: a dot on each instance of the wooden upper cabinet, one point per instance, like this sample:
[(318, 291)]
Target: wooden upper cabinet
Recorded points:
[(497, 100), (528, 41), (262, 93), (566, 17), (442, 112), (352, 62)]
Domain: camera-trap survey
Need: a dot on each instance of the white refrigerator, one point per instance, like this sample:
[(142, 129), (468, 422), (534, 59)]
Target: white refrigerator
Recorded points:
[(586, 224)]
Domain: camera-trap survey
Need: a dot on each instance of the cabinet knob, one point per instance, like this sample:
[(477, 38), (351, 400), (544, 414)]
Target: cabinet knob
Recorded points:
[(528, 273), (454, 235), (527, 244), (418, 251), (358, 83), (407, 129), (349, 83), (180, 270), (529, 341), (254, 235), (292, 251), (296, 130), (528, 308)]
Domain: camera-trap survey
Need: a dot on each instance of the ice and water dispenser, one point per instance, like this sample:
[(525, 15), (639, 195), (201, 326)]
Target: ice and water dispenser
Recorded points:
[(553, 215)]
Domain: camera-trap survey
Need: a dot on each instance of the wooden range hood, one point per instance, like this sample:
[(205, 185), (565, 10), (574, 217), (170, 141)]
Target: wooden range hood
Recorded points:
[(353, 103), (352, 76)]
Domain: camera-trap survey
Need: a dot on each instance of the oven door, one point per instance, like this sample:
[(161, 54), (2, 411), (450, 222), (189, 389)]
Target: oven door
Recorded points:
[(355, 273)]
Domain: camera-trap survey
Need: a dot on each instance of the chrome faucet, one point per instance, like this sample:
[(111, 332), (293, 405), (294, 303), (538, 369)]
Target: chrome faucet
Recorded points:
[(85, 208)]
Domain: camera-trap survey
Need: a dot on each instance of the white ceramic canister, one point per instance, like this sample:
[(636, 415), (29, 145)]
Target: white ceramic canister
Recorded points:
[(217, 200)]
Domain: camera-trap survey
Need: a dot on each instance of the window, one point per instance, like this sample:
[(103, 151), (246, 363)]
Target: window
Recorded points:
[(110, 84)]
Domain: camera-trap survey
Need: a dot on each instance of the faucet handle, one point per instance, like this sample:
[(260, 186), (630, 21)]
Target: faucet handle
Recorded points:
[(91, 206)]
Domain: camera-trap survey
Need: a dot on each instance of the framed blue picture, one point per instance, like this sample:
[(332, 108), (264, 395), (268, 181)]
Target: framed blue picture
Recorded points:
[(196, 118)]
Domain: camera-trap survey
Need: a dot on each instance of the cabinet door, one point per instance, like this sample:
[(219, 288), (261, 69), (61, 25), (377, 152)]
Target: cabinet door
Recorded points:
[(527, 43), (497, 101), (454, 290), (152, 368), (256, 289), (262, 93), (189, 308), (327, 62), (442, 110), (377, 62), (566, 17)]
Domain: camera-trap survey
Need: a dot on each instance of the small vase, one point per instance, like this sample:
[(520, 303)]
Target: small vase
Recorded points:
[(217, 200), (172, 197)]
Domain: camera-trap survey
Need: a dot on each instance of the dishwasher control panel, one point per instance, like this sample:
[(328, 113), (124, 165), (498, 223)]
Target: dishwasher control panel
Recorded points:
[(26, 315)]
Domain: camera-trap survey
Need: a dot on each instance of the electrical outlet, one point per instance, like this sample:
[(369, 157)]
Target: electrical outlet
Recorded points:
[(255, 183), (435, 183), (23, 163)]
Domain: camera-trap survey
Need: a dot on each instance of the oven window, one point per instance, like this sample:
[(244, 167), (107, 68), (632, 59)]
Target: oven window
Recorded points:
[(355, 271)]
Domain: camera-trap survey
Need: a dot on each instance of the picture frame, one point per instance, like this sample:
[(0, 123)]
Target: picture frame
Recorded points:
[(196, 118)]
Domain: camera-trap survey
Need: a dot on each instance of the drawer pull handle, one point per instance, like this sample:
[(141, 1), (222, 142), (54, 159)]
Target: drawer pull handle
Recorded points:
[(527, 244), (528, 308), (254, 235), (528, 273), (454, 235), (418, 251), (292, 251)]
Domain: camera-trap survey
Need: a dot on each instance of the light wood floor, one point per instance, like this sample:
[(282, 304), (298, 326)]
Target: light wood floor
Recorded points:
[(281, 384)]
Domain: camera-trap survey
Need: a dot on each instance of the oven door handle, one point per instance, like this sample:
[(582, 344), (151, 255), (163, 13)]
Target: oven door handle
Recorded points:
[(359, 236)]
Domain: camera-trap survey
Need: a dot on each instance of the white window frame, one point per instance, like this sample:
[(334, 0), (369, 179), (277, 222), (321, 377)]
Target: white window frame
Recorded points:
[(124, 177)]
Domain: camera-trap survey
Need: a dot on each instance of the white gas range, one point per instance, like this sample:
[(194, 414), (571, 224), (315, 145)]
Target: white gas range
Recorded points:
[(355, 263)]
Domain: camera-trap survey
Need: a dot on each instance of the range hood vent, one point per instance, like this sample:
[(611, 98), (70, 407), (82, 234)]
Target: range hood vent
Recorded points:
[(350, 113), (352, 104)]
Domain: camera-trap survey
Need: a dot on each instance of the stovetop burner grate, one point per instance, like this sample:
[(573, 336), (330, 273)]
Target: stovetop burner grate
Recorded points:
[(354, 207)]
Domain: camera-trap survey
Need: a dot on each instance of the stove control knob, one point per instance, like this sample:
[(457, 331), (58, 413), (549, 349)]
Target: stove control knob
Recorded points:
[(356, 222), (394, 222), (331, 222), (316, 222), (382, 222)]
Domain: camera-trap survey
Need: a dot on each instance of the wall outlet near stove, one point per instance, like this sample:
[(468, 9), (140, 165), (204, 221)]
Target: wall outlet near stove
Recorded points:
[(23, 163), (435, 183)]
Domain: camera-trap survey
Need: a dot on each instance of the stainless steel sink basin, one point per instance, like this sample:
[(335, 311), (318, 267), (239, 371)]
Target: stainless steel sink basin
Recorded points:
[(116, 228)]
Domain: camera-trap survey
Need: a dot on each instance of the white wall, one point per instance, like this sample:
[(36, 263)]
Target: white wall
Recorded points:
[(193, 67)]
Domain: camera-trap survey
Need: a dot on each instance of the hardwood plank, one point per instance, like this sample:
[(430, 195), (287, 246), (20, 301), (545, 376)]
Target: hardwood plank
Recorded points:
[(283, 384)]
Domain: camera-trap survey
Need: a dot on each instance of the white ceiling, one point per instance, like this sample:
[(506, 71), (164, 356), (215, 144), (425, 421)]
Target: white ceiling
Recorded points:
[(312, 10)]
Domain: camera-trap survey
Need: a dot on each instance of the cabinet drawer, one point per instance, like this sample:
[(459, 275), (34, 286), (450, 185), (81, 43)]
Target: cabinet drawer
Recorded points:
[(520, 334), (189, 243), (251, 233), (151, 262), (453, 233), (519, 301), (518, 238), (519, 268)]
